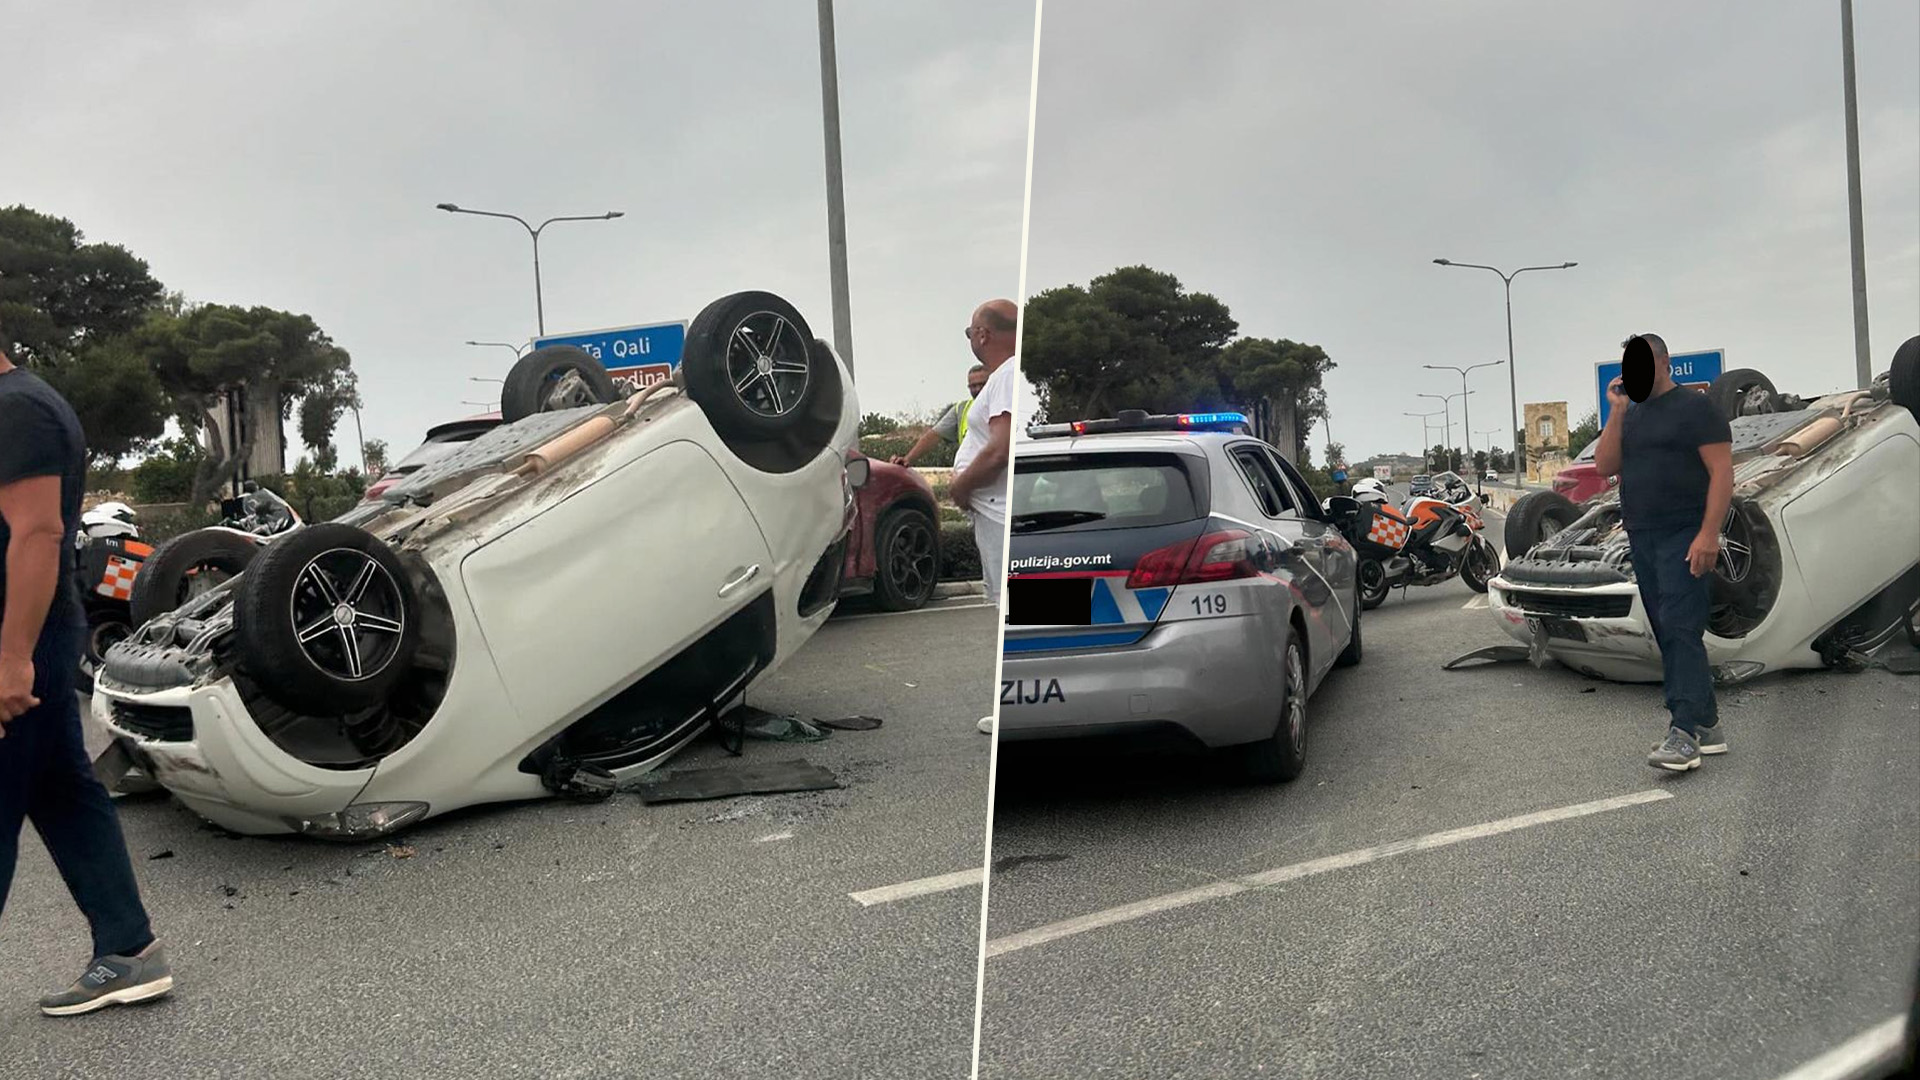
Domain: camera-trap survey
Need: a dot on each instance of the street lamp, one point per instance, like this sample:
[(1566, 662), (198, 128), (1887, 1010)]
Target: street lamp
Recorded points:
[(1513, 392), (515, 349), (483, 378), (539, 304), (1426, 430), (836, 188), (1466, 420), (1446, 407)]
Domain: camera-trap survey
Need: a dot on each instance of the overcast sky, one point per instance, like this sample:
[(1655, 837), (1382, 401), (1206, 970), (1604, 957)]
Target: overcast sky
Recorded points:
[(1307, 162), (290, 154)]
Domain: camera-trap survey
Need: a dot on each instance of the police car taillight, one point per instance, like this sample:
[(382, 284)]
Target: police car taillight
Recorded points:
[(1217, 556)]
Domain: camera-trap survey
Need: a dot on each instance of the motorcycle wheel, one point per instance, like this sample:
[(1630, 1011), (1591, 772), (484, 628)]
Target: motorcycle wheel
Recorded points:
[(1479, 564), (1374, 585)]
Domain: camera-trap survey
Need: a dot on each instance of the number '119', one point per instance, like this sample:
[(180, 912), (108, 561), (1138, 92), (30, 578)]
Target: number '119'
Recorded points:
[(1216, 604)]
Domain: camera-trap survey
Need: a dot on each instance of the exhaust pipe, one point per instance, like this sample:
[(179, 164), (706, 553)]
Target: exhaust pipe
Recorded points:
[(1812, 437), (567, 444)]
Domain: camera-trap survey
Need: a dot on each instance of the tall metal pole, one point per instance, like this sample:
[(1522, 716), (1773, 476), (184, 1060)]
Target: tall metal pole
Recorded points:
[(1513, 391), (539, 302), (836, 190), (360, 438), (1862, 361)]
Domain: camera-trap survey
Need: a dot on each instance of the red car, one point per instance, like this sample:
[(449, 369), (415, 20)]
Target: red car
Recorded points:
[(1581, 480), (893, 552)]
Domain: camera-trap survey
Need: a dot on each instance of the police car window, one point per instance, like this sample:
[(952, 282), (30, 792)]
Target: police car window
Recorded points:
[(1297, 484), (1267, 486), (1102, 491)]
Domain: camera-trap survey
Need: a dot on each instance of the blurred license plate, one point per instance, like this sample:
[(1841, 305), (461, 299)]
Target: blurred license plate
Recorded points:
[(1049, 601), (1564, 629)]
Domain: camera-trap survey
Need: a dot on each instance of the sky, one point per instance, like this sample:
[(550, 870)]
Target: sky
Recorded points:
[(291, 155), (1306, 163)]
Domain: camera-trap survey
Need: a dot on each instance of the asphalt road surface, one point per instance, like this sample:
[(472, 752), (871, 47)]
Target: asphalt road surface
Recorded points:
[(1405, 908), (709, 939)]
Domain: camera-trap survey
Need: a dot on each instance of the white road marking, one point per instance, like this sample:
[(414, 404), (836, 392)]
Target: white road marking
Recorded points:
[(930, 609), (1232, 887), (1478, 603), (907, 890), (775, 836), (1879, 1044)]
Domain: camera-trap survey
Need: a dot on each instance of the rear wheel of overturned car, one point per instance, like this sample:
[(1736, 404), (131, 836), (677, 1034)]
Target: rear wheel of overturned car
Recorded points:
[(751, 366), (187, 566), (1743, 392), (1283, 756), (1746, 577), (107, 626), (1903, 378), (907, 557), (1374, 586), (326, 621), (1537, 516), (553, 378)]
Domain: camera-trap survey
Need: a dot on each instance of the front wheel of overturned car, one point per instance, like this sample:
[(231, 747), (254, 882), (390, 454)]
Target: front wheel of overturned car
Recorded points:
[(186, 566), (751, 366), (1537, 516), (908, 557), (107, 626), (1282, 756), (1374, 585), (553, 378), (1903, 378), (326, 620)]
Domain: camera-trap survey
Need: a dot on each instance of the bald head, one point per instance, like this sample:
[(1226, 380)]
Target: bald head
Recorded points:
[(994, 332)]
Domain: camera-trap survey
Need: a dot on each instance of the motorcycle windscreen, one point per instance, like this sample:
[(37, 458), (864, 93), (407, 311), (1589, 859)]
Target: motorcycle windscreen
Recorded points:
[(1082, 524), (614, 580)]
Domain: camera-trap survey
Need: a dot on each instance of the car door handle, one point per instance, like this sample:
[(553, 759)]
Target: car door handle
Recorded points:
[(746, 575)]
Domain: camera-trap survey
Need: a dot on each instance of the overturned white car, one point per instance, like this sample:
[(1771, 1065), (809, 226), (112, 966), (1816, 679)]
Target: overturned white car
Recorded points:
[(1820, 558), (561, 604)]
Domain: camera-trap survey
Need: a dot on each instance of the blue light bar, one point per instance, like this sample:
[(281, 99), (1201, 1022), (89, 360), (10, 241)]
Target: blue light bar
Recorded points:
[(1207, 419)]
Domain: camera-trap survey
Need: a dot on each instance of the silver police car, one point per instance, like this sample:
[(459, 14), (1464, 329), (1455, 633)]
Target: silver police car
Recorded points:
[(1171, 573)]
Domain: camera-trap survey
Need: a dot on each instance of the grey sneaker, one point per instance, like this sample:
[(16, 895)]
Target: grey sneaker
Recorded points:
[(1677, 754), (1708, 739), (114, 980)]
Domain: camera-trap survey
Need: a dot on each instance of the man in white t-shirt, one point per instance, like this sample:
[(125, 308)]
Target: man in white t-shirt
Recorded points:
[(979, 484)]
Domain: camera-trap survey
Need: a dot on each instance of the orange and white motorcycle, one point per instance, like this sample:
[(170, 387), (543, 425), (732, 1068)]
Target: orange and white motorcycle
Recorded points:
[(1433, 539)]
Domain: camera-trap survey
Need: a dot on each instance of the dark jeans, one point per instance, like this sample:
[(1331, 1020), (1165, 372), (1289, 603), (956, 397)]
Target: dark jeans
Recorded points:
[(1677, 604), (46, 777)]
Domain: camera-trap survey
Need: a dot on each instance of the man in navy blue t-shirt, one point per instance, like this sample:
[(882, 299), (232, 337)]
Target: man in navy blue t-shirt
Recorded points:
[(45, 776), (1673, 453)]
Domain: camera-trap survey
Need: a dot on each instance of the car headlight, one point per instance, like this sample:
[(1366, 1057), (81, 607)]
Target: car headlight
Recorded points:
[(361, 820)]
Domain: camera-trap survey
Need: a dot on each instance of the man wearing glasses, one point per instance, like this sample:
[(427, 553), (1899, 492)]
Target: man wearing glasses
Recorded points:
[(979, 484)]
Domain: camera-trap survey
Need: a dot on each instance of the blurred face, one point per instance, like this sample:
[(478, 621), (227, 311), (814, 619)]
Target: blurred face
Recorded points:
[(976, 381), (1637, 369)]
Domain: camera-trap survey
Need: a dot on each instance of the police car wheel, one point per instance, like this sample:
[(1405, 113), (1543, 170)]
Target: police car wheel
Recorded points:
[(1282, 756), (553, 378), (751, 366)]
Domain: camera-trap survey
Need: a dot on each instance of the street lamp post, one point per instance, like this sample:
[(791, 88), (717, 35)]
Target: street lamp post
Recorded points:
[(1513, 391), (1863, 364), (539, 303), (1446, 408), (1466, 418), (516, 350), (1426, 430), (836, 189)]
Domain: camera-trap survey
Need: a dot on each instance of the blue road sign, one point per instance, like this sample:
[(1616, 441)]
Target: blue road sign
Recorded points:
[(1689, 369), (640, 355)]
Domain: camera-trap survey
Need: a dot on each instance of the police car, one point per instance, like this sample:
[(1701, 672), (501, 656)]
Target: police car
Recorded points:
[(1172, 574)]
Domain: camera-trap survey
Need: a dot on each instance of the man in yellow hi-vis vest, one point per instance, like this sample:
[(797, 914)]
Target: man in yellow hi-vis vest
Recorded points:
[(952, 425)]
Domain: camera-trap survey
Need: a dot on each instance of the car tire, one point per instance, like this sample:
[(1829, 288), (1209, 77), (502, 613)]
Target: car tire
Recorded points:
[(1479, 564), (1536, 516), (293, 613), (1356, 648), (1282, 756), (1903, 378), (749, 391), (1745, 581), (906, 549), (165, 577), (534, 383), (1373, 584), (1729, 393)]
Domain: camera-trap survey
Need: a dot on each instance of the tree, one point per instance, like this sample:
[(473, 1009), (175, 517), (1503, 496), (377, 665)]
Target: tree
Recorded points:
[(1336, 453), (1479, 462), (374, 458), (1499, 460), (1131, 339), (878, 424), (272, 355), (166, 476), (1585, 432), (65, 306)]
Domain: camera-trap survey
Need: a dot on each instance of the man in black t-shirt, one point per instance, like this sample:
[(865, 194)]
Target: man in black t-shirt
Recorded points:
[(45, 775), (1673, 453)]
